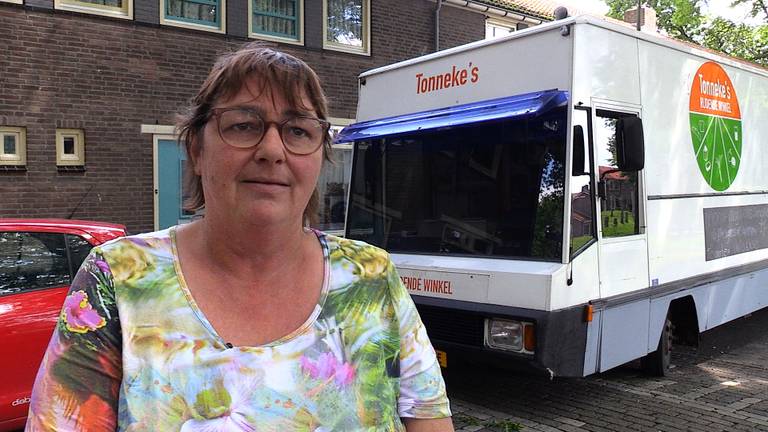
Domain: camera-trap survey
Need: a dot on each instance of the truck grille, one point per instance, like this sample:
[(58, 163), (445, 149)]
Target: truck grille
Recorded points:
[(450, 325)]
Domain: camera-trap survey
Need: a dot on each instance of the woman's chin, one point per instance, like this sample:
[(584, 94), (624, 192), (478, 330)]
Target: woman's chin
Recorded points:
[(267, 216)]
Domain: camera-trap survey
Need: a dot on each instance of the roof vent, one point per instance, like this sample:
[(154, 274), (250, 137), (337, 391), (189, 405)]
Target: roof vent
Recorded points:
[(562, 13)]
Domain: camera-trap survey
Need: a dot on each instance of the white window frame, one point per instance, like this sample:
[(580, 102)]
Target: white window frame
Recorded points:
[(12, 1), (78, 159), (335, 46), (172, 21), (20, 157), (300, 27), (125, 12), (494, 23)]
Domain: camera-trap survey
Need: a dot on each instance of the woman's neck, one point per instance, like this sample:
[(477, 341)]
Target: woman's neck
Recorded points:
[(243, 248)]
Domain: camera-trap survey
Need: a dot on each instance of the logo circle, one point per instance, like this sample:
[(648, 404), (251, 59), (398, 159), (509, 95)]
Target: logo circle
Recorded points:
[(715, 120)]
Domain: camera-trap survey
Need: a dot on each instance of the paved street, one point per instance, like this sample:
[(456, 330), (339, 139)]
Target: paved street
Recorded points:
[(721, 386)]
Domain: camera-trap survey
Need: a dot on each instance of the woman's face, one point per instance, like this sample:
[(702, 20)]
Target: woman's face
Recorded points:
[(263, 184)]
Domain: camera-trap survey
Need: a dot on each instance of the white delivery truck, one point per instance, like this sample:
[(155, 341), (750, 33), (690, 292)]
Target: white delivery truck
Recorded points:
[(575, 195)]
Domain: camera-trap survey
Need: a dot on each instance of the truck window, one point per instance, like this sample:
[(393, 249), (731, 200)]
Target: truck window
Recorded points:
[(491, 189), (332, 187), (619, 213), (582, 195)]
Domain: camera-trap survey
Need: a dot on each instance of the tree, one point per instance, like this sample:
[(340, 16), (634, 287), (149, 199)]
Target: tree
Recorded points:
[(345, 22), (758, 7), (683, 19)]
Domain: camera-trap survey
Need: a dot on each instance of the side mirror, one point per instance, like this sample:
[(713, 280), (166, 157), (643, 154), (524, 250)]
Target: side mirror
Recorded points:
[(578, 151), (630, 144)]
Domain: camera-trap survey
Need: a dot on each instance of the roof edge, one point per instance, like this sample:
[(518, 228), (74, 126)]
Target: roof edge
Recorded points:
[(583, 19)]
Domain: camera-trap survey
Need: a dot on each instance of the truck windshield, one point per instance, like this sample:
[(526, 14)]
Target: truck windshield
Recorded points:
[(492, 189)]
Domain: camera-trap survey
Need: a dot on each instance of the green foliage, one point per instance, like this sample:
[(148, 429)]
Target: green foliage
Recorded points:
[(759, 7), (578, 242), (548, 228), (620, 223), (683, 19), (503, 425)]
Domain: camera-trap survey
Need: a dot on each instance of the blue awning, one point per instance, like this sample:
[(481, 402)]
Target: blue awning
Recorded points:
[(524, 105)]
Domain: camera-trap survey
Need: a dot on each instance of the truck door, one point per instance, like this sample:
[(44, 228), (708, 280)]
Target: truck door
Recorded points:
[(621, 227)]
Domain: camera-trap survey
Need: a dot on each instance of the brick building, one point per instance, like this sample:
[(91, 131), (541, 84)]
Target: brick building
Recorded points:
[(89, 88)]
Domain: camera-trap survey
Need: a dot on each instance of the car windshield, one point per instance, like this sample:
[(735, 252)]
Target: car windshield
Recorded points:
[(490, 189)]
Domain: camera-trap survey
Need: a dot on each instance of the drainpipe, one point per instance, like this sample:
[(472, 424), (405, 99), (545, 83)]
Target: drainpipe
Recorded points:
[(437, 25)]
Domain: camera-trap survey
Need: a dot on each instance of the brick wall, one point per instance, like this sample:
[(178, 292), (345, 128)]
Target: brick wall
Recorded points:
[(109, 76), (457, 26)]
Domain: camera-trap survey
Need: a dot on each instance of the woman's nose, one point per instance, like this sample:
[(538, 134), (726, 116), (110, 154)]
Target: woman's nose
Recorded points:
[(271, 146)]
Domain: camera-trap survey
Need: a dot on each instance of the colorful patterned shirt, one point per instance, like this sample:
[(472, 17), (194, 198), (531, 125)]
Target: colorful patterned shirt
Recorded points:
[(133, 352)]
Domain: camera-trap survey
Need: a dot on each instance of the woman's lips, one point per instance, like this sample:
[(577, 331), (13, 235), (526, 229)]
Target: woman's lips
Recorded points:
[(266, 181), (266, 185)]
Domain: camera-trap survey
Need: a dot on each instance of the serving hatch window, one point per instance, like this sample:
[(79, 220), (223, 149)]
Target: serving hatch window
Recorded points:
[(489, 189)]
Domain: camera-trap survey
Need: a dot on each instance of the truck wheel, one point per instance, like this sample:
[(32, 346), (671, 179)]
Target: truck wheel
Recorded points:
[(657, 363)]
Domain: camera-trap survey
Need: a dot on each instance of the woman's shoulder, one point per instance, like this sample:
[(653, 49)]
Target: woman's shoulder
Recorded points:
[(358, 258), (353, 247), (148, 241), (146, 252)]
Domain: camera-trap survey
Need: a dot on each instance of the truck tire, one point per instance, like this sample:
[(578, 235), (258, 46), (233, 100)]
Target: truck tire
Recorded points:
[(658, 362)]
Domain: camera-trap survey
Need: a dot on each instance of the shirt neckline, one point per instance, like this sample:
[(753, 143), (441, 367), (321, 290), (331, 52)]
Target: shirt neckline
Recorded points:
[(308, 323)]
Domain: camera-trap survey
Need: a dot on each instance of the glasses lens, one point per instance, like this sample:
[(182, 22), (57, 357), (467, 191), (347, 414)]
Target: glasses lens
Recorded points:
[(241, 128), (303, 134)]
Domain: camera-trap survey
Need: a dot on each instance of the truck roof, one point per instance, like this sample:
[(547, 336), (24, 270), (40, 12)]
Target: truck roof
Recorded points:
[(605, 23)]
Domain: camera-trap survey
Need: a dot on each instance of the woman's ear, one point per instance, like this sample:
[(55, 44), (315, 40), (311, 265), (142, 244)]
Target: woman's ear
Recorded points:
[(195, 153)]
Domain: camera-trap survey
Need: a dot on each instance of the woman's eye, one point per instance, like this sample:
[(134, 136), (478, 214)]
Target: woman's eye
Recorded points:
[(244, 127), (298, 132)]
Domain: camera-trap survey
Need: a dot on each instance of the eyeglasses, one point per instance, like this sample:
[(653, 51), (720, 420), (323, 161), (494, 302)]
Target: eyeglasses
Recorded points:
[(244, 128)]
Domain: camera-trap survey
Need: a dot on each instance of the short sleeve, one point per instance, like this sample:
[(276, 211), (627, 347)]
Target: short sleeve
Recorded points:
[(78, 383), (422, 389)]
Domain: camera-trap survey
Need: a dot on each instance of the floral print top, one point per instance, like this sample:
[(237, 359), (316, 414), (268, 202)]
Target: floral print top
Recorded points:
[(132, 352)]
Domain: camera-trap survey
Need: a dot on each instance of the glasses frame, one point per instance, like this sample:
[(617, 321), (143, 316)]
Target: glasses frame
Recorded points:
[(217, 112)]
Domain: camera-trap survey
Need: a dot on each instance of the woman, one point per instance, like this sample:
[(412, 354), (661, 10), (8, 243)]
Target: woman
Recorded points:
[(244, 319)]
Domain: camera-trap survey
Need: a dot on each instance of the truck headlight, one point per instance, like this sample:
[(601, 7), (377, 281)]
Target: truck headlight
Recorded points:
[(509, 335)]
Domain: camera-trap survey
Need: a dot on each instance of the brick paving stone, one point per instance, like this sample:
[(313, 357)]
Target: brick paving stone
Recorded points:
[(640, 416), (569, 428), (697, 420), (548, 428), (595, 428), (668, 428), (570, 421), (720, 421)]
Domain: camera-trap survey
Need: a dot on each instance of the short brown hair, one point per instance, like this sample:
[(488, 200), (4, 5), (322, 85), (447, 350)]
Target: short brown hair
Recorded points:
[(279, 71)]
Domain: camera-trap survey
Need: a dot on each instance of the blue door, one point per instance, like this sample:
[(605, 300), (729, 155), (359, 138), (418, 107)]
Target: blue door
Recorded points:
[(171, 161)]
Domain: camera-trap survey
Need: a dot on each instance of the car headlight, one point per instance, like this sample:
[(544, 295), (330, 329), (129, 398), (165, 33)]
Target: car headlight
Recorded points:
[(509, 335)]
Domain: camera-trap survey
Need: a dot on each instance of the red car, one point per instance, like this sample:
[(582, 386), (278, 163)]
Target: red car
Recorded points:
[(38, 258)]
